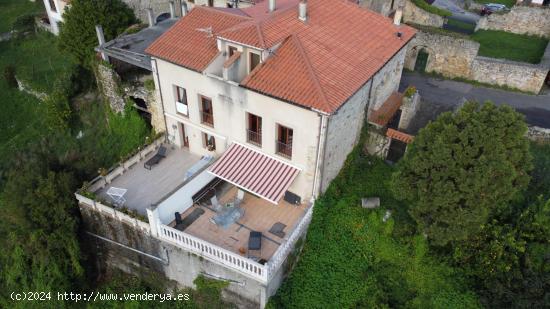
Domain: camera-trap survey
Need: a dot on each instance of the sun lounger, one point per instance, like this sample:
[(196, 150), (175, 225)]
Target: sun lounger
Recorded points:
[(161, 154)]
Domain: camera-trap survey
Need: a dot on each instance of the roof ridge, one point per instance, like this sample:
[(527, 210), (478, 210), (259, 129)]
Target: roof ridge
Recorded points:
[(261, 34), (214, 9), (311, 71)]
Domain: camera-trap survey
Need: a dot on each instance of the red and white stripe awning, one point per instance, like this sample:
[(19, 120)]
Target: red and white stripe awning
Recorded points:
[(253, 171)]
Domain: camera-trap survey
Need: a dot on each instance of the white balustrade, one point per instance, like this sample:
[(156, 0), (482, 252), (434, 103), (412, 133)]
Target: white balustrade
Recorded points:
[(214, 253), (284, 249)]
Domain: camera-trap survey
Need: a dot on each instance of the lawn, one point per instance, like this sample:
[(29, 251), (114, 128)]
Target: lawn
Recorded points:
[(36, 59), (511, 46), (11, 9), (353, 259)]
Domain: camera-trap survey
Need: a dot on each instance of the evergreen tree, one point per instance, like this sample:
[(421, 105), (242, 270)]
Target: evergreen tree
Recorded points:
[(77, 34), (461, 168)]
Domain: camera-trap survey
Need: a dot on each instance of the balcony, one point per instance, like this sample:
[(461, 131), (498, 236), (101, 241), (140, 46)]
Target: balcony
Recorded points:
[(284, 150), (207, 119), (254, 137)]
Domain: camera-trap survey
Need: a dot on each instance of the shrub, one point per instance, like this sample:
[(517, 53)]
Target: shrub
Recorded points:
[(9, 76), (431, 9), (410, 91), (149, 85), (23, 23)]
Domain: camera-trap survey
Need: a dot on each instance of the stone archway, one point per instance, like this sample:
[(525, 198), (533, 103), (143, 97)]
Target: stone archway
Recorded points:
[(162, 17), (415, 63), (421, 60)]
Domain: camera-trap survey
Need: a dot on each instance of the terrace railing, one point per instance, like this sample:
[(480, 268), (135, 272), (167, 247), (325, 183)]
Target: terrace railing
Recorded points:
[(214, 253), (284, 249)]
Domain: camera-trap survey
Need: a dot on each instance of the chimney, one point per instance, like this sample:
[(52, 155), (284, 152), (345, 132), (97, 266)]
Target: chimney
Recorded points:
[(150, 17), (398, 15), (172, 9), (101, 40), (271, 6), (183, 8), (302, 11)]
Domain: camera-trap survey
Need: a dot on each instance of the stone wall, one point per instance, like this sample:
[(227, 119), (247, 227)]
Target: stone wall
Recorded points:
[(456, 57), (522, 76), (449, 56), (379, 6), (414, 14), (538, 134), (521, 20), (159, 7), (110, 86), (344, 127)]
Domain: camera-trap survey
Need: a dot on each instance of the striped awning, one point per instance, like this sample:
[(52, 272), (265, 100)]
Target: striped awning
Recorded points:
[(255, 172)]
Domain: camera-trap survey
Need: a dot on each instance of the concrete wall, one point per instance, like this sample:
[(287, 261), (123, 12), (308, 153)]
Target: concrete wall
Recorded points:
[(230, 107), (55, 17), (380, 6), (449, 56), (177, 264), (416, 15), (344, 127), (521, 20)]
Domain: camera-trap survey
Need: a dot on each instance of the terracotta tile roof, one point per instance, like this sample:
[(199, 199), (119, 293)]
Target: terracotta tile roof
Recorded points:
[(400, 136), (191, 42), (385, 113), (318, 64)]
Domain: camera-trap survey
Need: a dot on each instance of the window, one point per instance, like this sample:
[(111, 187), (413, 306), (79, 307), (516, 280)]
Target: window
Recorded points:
[(52, 6), (254, 61), (208, 141), (181, 101), (284, 141), (232, 50), (254, 130), (207, 114)]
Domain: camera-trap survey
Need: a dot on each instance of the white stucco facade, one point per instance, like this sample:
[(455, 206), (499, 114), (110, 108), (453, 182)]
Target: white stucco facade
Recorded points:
[(231, 105)]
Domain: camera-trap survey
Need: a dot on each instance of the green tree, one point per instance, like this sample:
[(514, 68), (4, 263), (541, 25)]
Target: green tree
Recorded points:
[(77, 34), (461, 168), (40, 250)]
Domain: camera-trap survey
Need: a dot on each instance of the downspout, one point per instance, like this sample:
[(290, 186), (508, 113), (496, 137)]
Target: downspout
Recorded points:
[(160, 94), (317, 179)]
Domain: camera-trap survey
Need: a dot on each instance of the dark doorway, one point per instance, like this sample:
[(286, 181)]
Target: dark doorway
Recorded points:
[(394, 121), (546, 2), (211, 3), (163, 17), (421, 61), (142, 110), (396, 151)]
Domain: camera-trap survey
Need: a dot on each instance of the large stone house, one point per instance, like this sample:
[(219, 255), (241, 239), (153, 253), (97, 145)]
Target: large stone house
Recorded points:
[(261, 106)]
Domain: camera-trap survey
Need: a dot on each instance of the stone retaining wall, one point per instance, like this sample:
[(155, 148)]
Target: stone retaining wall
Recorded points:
[(449, 56), (521, 20), (539, 134), (456, 57), (416, 15), (522, 76)]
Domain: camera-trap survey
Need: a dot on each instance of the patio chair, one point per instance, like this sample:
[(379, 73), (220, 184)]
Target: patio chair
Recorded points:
[(277, 230), (255, 245), (161, 154)]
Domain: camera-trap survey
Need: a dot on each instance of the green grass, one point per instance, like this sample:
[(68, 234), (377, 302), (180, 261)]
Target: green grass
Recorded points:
[(511, 46), (11, 9), (36, 59), (508, 3), (352, 259), (461, 25)]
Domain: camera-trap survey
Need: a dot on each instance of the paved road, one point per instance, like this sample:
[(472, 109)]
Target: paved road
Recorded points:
[(441, 95), (456, 8)]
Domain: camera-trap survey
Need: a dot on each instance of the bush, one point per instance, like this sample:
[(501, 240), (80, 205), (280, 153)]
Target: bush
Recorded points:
[(149, 85), (9, 76), (431, 9), (23, 23), (410, 91)]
